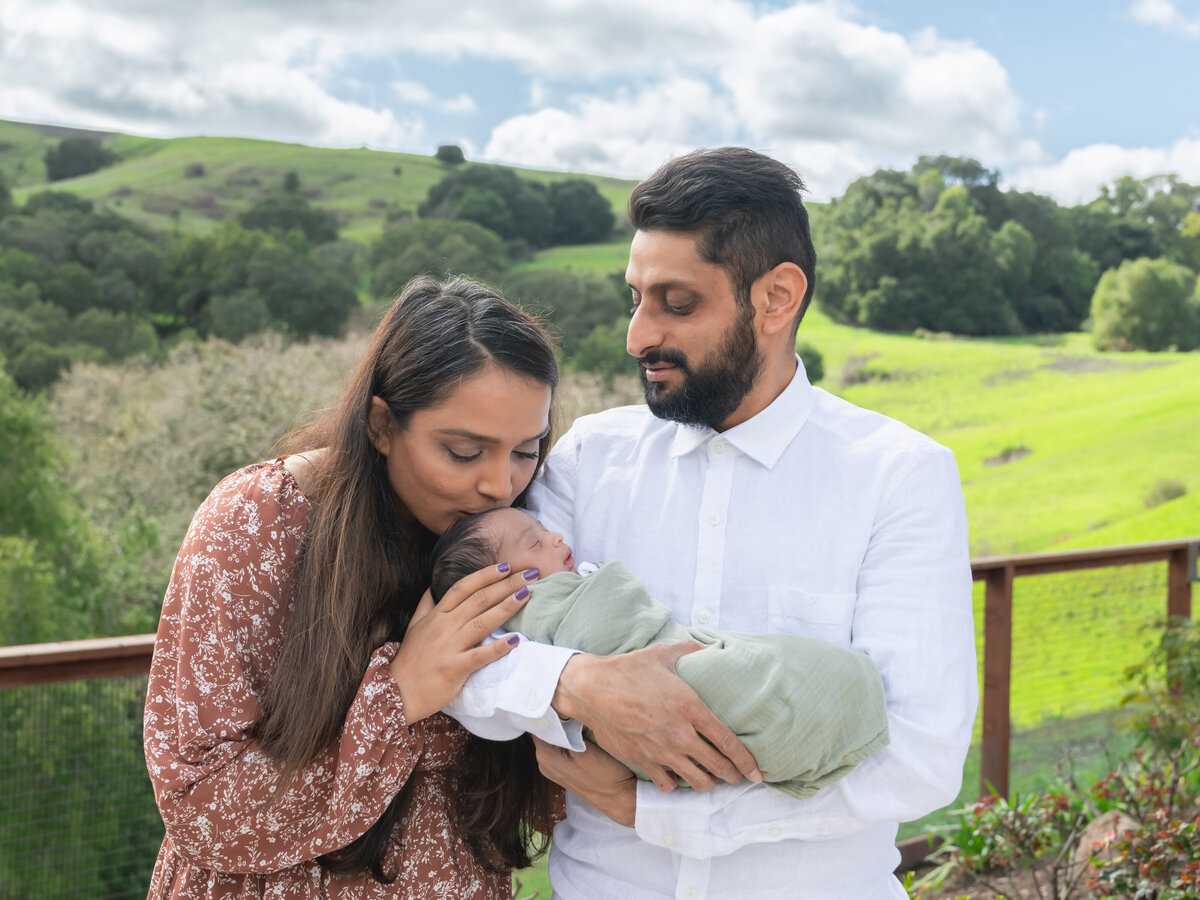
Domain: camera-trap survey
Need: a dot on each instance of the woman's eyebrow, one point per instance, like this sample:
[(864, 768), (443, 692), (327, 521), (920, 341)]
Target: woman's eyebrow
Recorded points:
[(483, 438)]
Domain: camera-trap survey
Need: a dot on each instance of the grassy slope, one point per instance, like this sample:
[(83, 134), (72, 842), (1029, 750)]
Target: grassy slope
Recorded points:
[(148, 184), (1101, 429)]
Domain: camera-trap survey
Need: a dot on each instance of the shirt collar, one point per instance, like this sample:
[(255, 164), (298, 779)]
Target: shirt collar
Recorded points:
[(762, 437)]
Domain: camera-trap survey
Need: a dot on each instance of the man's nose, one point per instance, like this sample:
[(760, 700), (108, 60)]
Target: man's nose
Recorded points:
[(643, 335)]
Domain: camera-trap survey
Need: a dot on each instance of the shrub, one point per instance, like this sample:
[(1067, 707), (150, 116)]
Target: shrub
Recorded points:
[(814, 363), (193, 170), (450, 154), (76, 156), (1146, 304), (1164, 489)]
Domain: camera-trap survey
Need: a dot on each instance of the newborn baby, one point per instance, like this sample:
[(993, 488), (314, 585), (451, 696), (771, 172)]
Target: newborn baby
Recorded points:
[(807, 710)]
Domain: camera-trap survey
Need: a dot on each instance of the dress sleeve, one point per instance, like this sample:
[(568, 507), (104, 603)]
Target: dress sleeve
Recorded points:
[(222, 800)]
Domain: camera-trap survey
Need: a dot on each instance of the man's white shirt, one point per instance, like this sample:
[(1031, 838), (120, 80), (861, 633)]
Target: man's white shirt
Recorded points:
[(814, 517)]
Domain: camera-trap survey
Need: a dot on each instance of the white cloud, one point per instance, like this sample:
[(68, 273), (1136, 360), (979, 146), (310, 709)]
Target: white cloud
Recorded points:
[(630, 134), (417, 94), (1077, 177), (1164, 14)]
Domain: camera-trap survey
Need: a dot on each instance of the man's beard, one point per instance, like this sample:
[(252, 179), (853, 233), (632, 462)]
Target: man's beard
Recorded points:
[(709, 394)]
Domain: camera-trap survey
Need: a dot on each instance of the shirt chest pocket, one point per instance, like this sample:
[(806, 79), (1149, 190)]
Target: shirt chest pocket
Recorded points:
[(825, 616)]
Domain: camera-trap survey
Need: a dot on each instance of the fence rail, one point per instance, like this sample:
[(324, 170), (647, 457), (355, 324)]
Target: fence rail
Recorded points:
[(109, 660)]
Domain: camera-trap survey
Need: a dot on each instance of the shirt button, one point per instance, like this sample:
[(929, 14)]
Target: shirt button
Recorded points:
[(713, 519), (531, 704), (690, 892), (540, 722), (668, 841), (776, 831), (703, 618), (479, 701), (719, 447)]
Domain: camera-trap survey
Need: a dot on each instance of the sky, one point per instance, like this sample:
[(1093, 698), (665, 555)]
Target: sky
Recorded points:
[(1059, 96)]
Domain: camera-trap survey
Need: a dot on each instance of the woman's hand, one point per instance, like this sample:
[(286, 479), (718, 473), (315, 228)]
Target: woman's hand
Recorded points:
[(593, 776), (441, 647), (642, 712)]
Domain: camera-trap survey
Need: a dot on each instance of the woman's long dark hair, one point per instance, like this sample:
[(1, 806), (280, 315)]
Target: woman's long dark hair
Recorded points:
[(365, 562)]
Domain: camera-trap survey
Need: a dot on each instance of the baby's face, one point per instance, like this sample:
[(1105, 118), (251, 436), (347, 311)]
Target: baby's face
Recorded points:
[(525, 543)]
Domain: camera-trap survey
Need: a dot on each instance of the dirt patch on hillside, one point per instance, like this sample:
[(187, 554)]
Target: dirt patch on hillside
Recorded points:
[(1083, 364)]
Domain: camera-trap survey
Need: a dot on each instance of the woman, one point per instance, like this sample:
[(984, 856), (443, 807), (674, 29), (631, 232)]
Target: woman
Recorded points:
[(292, 730)]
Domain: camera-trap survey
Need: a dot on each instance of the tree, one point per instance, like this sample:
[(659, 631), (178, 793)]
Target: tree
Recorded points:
[(6, 204), (285, 211), (436, 247), (450, 154), (1146, 304), (466, 193), (575, 305), (580, 213), (76, 156)]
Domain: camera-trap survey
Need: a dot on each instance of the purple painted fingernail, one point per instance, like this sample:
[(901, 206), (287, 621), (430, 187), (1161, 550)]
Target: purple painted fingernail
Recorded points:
[(531, 574), (502, 568), (521, 594), (513, 640)]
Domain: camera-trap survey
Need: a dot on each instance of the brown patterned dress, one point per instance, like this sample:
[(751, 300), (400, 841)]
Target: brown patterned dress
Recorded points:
[(222, 626)]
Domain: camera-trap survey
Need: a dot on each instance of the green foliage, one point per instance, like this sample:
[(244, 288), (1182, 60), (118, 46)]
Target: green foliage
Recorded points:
[(1146, 304), (496, 198), (6, 203), (450, 154), (603, 351), (814, 363), (77, 156), (580, 213), (1157, 791), (435, 247), (574, 304), (53, 585), (288, 210)]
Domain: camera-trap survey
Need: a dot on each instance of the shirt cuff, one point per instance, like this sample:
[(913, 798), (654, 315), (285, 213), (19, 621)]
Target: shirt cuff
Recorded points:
[(513, 694)]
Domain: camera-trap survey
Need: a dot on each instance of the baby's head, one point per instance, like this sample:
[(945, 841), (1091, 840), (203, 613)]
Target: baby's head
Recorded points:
[(494, 536)]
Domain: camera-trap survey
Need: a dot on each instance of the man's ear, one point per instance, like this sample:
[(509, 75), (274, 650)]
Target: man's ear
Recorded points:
[(379, 425), (782, 289)]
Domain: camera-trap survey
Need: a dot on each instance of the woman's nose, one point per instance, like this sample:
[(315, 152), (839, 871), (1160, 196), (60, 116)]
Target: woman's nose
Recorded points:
[(496, 482)]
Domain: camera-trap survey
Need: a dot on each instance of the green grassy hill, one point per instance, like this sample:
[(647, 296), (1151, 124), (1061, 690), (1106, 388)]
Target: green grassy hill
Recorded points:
[(149, 184), (1058, 445)]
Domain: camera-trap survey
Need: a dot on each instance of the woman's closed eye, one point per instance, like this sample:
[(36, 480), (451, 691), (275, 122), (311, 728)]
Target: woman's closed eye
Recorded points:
[(462, 454)]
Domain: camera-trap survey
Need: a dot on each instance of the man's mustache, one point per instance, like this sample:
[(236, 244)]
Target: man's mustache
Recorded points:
[(670, 357)]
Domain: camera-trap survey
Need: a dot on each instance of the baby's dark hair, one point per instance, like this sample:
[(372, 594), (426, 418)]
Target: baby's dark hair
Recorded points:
[(464, 547)]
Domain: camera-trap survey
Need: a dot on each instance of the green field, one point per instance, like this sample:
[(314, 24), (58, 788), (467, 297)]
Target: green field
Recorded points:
[(361, 187)]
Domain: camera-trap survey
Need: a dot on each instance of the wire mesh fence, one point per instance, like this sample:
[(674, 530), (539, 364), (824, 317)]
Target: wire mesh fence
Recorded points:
[(1074, 635), (77, 815)]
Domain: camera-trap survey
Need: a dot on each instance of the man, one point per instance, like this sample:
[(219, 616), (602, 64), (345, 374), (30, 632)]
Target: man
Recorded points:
[(748, 500)]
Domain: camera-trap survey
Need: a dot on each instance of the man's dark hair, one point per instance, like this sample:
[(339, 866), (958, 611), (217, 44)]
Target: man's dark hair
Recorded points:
[(744, 207), (464, 547)]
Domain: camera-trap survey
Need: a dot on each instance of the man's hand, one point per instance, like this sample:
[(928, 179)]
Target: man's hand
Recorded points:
[(594, 777), (644, 714)]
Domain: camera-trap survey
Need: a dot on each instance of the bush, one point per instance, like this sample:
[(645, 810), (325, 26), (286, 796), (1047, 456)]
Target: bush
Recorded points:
[(193, 170), (450, 154), (1146, 304), (1164, 490), (76, 156), (814, 363)]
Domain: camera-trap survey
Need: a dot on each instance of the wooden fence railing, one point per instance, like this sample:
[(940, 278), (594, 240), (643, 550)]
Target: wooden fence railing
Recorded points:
[(105, 657), (999, 572)]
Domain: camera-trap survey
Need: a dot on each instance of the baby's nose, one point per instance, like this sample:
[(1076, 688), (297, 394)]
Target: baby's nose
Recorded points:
[(555, 538)]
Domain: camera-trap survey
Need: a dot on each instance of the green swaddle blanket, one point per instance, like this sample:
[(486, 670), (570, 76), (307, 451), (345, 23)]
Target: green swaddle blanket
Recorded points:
[(809, 711)]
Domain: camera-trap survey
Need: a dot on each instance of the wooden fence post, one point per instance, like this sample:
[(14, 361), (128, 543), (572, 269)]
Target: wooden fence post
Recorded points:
[(1181, 572), (997, 677)]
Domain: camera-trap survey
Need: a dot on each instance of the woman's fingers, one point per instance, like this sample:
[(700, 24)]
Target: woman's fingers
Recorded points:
[(481, 591)]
